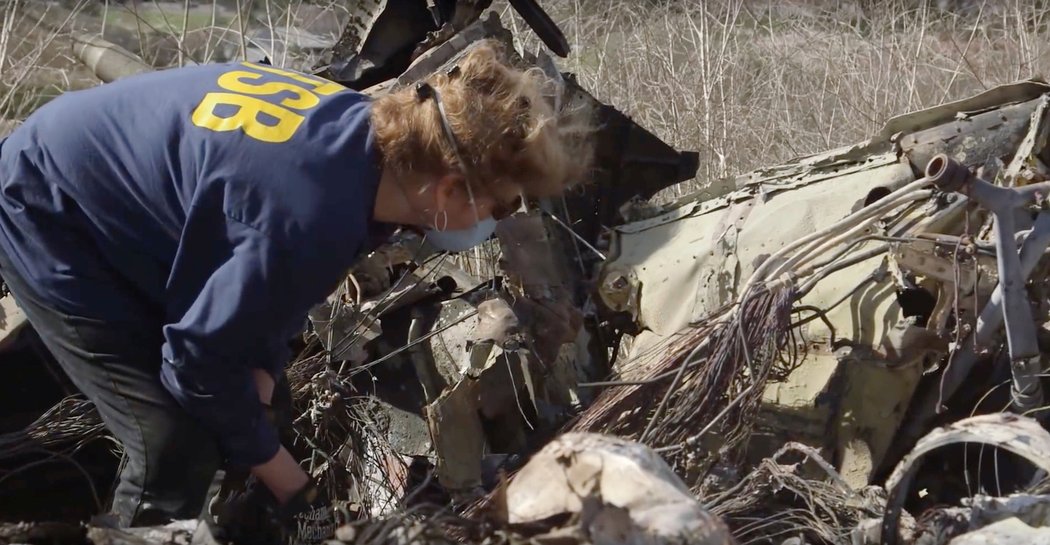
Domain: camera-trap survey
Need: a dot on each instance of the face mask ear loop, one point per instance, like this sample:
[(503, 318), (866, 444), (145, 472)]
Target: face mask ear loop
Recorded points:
[(444, 221), (424, 91)]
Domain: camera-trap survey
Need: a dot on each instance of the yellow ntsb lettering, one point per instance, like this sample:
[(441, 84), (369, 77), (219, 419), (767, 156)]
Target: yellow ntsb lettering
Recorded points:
[(234, 81), (248, 99), (246, 117), (320, 86)]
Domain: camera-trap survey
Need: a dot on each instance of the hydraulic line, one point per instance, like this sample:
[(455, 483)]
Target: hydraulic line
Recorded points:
[(819, 247), (887, 203)]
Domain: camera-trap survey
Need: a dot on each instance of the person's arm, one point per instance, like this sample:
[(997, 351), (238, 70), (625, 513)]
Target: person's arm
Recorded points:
[(282, 475), (241, 292)]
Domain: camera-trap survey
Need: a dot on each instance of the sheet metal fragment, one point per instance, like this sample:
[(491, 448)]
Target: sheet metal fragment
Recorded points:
[(1007, 532), (621, 492), (1020, 435)]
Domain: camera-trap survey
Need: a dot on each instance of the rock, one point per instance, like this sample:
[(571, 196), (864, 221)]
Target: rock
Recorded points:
[(620, 491)]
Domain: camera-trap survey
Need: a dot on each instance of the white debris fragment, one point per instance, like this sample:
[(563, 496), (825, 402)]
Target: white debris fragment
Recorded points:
[(1027, 508), (1007, 532), (622, 492)]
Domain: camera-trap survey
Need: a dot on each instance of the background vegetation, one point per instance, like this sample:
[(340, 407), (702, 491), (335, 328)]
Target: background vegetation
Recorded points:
[(745, 82)]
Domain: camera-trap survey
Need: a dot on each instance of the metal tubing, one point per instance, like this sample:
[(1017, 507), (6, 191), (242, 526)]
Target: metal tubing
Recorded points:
[(107, 60), (989, 323), (898, 197), (1013, 308), (991, 317), (1030, 192), (1020, 329), (1026, 389)]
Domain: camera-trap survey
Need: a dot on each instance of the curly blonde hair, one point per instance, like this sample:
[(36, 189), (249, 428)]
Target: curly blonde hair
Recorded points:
[(505, 120)]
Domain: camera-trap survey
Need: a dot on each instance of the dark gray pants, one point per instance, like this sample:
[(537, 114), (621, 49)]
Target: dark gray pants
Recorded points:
[(170, 460)]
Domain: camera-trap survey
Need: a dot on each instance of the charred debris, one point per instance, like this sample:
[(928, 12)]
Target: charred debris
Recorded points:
[(848, 348)]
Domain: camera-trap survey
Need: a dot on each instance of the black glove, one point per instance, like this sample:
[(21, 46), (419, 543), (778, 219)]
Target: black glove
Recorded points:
[(307, 518), (248, 516), (253, 517)]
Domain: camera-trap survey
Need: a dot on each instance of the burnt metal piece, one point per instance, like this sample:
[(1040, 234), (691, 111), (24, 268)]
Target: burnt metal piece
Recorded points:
[(542, 25), (982, 137), (380, 39), (385, 36), (631, 164)]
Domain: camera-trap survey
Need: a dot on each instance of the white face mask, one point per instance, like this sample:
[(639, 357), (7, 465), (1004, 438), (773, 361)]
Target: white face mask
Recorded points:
[(461, 239)]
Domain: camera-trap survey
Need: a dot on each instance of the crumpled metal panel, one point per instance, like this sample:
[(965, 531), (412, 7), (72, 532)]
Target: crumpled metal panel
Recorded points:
[(888, 140), (378, 41), (991, 99), (1029, 508), (848, 398), (450, 348), (458, 436), (679, 269)]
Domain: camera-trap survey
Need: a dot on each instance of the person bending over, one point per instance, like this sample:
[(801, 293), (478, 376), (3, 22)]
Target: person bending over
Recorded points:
[(167, 233)]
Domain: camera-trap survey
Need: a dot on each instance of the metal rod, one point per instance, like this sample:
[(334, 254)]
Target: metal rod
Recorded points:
[(989, 323), (375, 362), (576, 236)]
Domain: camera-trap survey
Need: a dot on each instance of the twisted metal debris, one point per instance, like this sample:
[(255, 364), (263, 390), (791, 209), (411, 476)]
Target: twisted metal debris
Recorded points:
[(779, 499)]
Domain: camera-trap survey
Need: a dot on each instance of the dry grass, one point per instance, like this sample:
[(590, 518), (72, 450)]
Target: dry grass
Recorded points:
[(747, 83), (36, 60), (753, 83)]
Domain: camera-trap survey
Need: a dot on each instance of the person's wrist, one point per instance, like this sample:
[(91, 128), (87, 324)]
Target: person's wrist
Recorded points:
[(282, 476), (265, 384)]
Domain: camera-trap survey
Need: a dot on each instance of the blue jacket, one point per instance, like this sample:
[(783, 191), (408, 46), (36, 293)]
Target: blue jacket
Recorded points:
[(222, 201)]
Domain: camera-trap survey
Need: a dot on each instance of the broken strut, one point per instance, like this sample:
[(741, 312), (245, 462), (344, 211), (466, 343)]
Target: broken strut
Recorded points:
[(1003, 203)]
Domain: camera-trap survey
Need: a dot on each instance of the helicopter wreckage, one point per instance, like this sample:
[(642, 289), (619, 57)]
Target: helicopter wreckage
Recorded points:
[(847, 348)]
